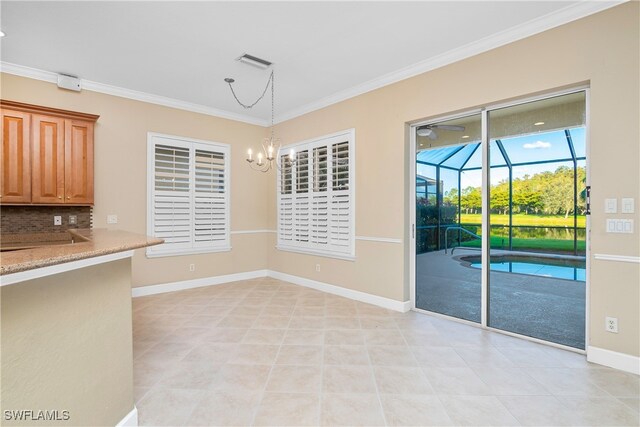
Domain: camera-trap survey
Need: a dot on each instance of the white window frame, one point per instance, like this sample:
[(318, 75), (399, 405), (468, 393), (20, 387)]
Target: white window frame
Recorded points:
[(192, 144), (322, 141)]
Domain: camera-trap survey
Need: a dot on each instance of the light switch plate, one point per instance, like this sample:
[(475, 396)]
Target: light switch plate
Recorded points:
[(628, 206), (610, 206), (627, 226), (112, 219), (57, 220), (620, 226)]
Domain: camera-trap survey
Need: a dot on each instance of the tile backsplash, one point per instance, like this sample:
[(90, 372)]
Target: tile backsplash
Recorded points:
[(39, 219)]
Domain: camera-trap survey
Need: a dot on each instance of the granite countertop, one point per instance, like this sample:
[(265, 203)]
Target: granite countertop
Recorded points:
[(87, 244)]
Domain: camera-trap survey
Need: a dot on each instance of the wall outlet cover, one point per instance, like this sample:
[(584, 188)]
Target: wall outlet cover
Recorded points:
[(611, 324), (112, 219)]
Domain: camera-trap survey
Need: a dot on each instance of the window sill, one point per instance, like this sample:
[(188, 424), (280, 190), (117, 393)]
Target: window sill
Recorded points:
[(162, 254), (316, 253)]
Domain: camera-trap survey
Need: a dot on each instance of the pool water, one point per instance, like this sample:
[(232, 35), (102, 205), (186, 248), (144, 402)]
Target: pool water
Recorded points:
[(538, 268)]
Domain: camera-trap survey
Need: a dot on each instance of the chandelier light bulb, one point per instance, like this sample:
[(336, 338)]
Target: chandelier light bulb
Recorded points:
[(259, 159), (250, 153)]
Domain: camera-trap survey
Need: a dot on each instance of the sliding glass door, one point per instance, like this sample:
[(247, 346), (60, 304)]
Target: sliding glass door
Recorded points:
[(448, 211), (537, 219), (534, 247)]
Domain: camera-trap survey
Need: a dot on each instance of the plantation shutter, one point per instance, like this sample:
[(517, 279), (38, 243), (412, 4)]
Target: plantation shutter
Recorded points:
[(285, 205), (210, 217), (315, 205), (188, 200), (320, 199), (340, 232), (172, 200), (302, 201)]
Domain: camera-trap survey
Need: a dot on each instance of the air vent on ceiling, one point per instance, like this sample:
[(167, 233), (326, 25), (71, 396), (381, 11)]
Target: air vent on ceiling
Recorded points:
[(255, 61)]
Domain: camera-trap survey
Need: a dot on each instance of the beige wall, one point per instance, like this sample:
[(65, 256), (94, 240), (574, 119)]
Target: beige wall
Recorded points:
[(66, 345), (601, 50), (120, 174)]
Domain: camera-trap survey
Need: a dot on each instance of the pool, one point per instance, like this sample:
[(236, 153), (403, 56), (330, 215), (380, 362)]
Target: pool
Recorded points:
[(559, 268)]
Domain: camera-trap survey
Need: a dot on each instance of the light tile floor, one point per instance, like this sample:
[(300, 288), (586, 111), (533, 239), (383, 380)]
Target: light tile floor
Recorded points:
[(266, 352)]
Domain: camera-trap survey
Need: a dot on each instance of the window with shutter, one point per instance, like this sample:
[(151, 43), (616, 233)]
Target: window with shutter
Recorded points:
[(315, 197), (188, 198)]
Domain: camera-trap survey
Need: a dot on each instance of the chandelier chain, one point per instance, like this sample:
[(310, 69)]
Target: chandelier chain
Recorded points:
[(272, 79), (247, 106), (270, 146)]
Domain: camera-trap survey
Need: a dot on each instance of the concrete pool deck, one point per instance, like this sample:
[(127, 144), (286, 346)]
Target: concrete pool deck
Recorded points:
[(542, 307)]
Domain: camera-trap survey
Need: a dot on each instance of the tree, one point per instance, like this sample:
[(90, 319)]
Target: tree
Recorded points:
[(451, 197), (558, 195), (527, 196), (500, 197), (471, 199)]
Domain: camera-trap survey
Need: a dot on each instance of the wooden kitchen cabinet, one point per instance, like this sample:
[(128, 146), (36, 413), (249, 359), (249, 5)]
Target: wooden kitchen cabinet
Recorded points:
[(15, 157), (47, 172), (78, 161), (47, 155)]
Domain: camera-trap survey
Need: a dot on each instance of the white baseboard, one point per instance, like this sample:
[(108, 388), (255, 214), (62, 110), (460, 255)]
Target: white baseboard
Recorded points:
[(196, 283), (401, 306), (130, 420), (613, 359), (343, 292)]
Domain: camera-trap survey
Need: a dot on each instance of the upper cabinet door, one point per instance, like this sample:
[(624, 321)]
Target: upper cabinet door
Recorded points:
[(47, 179), (15, 178), (78, 158)]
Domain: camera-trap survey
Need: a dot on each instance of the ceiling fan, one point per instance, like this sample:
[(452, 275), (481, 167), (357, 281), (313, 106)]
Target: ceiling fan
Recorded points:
[(429, 130)]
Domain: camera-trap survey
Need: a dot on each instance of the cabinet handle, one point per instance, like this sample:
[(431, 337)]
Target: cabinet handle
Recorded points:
[(68, 197), (59, 197)]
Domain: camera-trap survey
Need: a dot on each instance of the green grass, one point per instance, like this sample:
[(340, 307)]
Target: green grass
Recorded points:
[(544, 245), (522, 219)]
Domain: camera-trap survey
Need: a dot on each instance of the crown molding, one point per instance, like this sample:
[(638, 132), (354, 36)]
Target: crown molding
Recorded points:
[(555, 19), (51, 77)]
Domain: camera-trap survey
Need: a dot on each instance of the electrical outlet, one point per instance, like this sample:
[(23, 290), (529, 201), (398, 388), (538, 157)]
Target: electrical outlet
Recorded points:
[(611, 324), (192, 267), (112, 219), (73, 219), (317, 267), (57, 220)]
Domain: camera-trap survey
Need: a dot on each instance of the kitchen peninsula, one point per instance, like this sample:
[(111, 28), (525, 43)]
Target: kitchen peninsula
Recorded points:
[(66, 330)]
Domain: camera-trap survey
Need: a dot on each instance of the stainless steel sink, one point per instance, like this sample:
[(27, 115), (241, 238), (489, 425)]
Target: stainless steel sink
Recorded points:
[(19, 241)]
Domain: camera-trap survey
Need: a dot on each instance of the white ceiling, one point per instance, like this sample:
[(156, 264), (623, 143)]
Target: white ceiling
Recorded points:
[(323, 51)]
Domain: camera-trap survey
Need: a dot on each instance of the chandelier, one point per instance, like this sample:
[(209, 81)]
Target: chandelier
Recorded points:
[(269, 154)]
